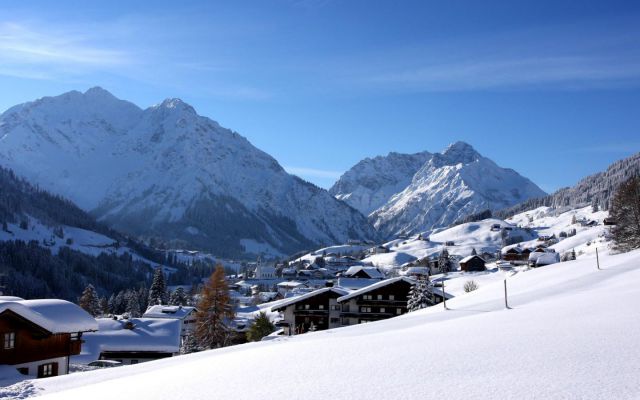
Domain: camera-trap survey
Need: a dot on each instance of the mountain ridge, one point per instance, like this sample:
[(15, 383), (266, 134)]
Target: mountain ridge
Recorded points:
[(168, 172)]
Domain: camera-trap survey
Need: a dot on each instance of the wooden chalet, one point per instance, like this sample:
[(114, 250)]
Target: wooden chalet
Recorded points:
[(37, 337), (382, 300), (313, 311), (472, 263)]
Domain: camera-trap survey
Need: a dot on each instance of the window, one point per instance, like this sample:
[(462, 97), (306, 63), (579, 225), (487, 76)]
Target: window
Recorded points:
[(46, 370), (392, 297), (367, 297), (379, 297), (307, 306), (365, 309), (382, 309), (334, 320), (335, 307), (398, 311), (321, 307), (9, 341)]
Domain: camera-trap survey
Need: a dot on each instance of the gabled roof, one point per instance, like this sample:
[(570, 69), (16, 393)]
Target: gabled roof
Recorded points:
[(469, 258), (294, 300), (373, 272), (173, 312), (148, 334), (375, 286), (53, 315)]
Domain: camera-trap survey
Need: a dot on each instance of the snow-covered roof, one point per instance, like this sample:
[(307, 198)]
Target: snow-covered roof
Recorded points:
[(371, 271), (53, 315), (294, 300), (355, 283), (148, 334), (375, 286), (469, 258), (174, 312), (547, 258), (290, 284)]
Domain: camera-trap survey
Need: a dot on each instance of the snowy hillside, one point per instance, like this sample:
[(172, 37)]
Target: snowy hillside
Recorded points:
[(451, 185), (525, 228), (370, 184), (168, 172), (569, 334)]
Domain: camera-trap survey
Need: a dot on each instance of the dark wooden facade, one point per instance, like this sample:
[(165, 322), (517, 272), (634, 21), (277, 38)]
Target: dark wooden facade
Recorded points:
[(381, 303), (33, 343), (475, 263), (311, 311)]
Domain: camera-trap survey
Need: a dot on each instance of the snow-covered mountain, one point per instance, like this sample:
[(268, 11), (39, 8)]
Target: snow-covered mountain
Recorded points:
[(167, 172), (446, 187), (372, 182)]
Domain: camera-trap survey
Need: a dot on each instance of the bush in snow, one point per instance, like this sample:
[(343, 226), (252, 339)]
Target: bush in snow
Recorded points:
[(470, 286), (260, 328)]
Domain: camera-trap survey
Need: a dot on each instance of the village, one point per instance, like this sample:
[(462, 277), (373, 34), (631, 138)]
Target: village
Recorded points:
[(329, 288)]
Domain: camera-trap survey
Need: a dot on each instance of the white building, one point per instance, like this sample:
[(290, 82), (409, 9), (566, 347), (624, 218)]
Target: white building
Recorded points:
[(185, 314)]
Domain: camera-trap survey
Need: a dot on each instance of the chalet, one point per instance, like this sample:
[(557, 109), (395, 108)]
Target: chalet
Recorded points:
[(449, 243), (496, 227), (132, 341), (379, 250), (513, 254), (185, 314), (472, 263), (363, 272), (609, 221), (313, 311), (382, 300), (542, 259), (37, 337)]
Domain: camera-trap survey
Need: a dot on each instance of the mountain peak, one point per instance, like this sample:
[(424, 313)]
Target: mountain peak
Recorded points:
[(461, 152), (176, 104), (97, 91)]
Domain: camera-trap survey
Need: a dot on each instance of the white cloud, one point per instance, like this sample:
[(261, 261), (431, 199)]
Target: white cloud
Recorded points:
[(47, 52)]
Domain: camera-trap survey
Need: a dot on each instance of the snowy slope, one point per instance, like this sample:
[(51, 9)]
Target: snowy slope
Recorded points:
[(527, 226), (370, 183), (168, 172), (571, 334), (451, 185)]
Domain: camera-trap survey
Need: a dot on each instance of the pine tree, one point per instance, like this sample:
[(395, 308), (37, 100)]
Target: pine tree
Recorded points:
[(178, 297), (625, 211), (214, 312), (111, 304), (158, 291), (133, 304), (474, 252), (420, 295), (261, 327), (90, 301), (444, 263)]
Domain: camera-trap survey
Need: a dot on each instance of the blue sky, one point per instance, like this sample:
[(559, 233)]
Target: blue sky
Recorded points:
[(549, 88)]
